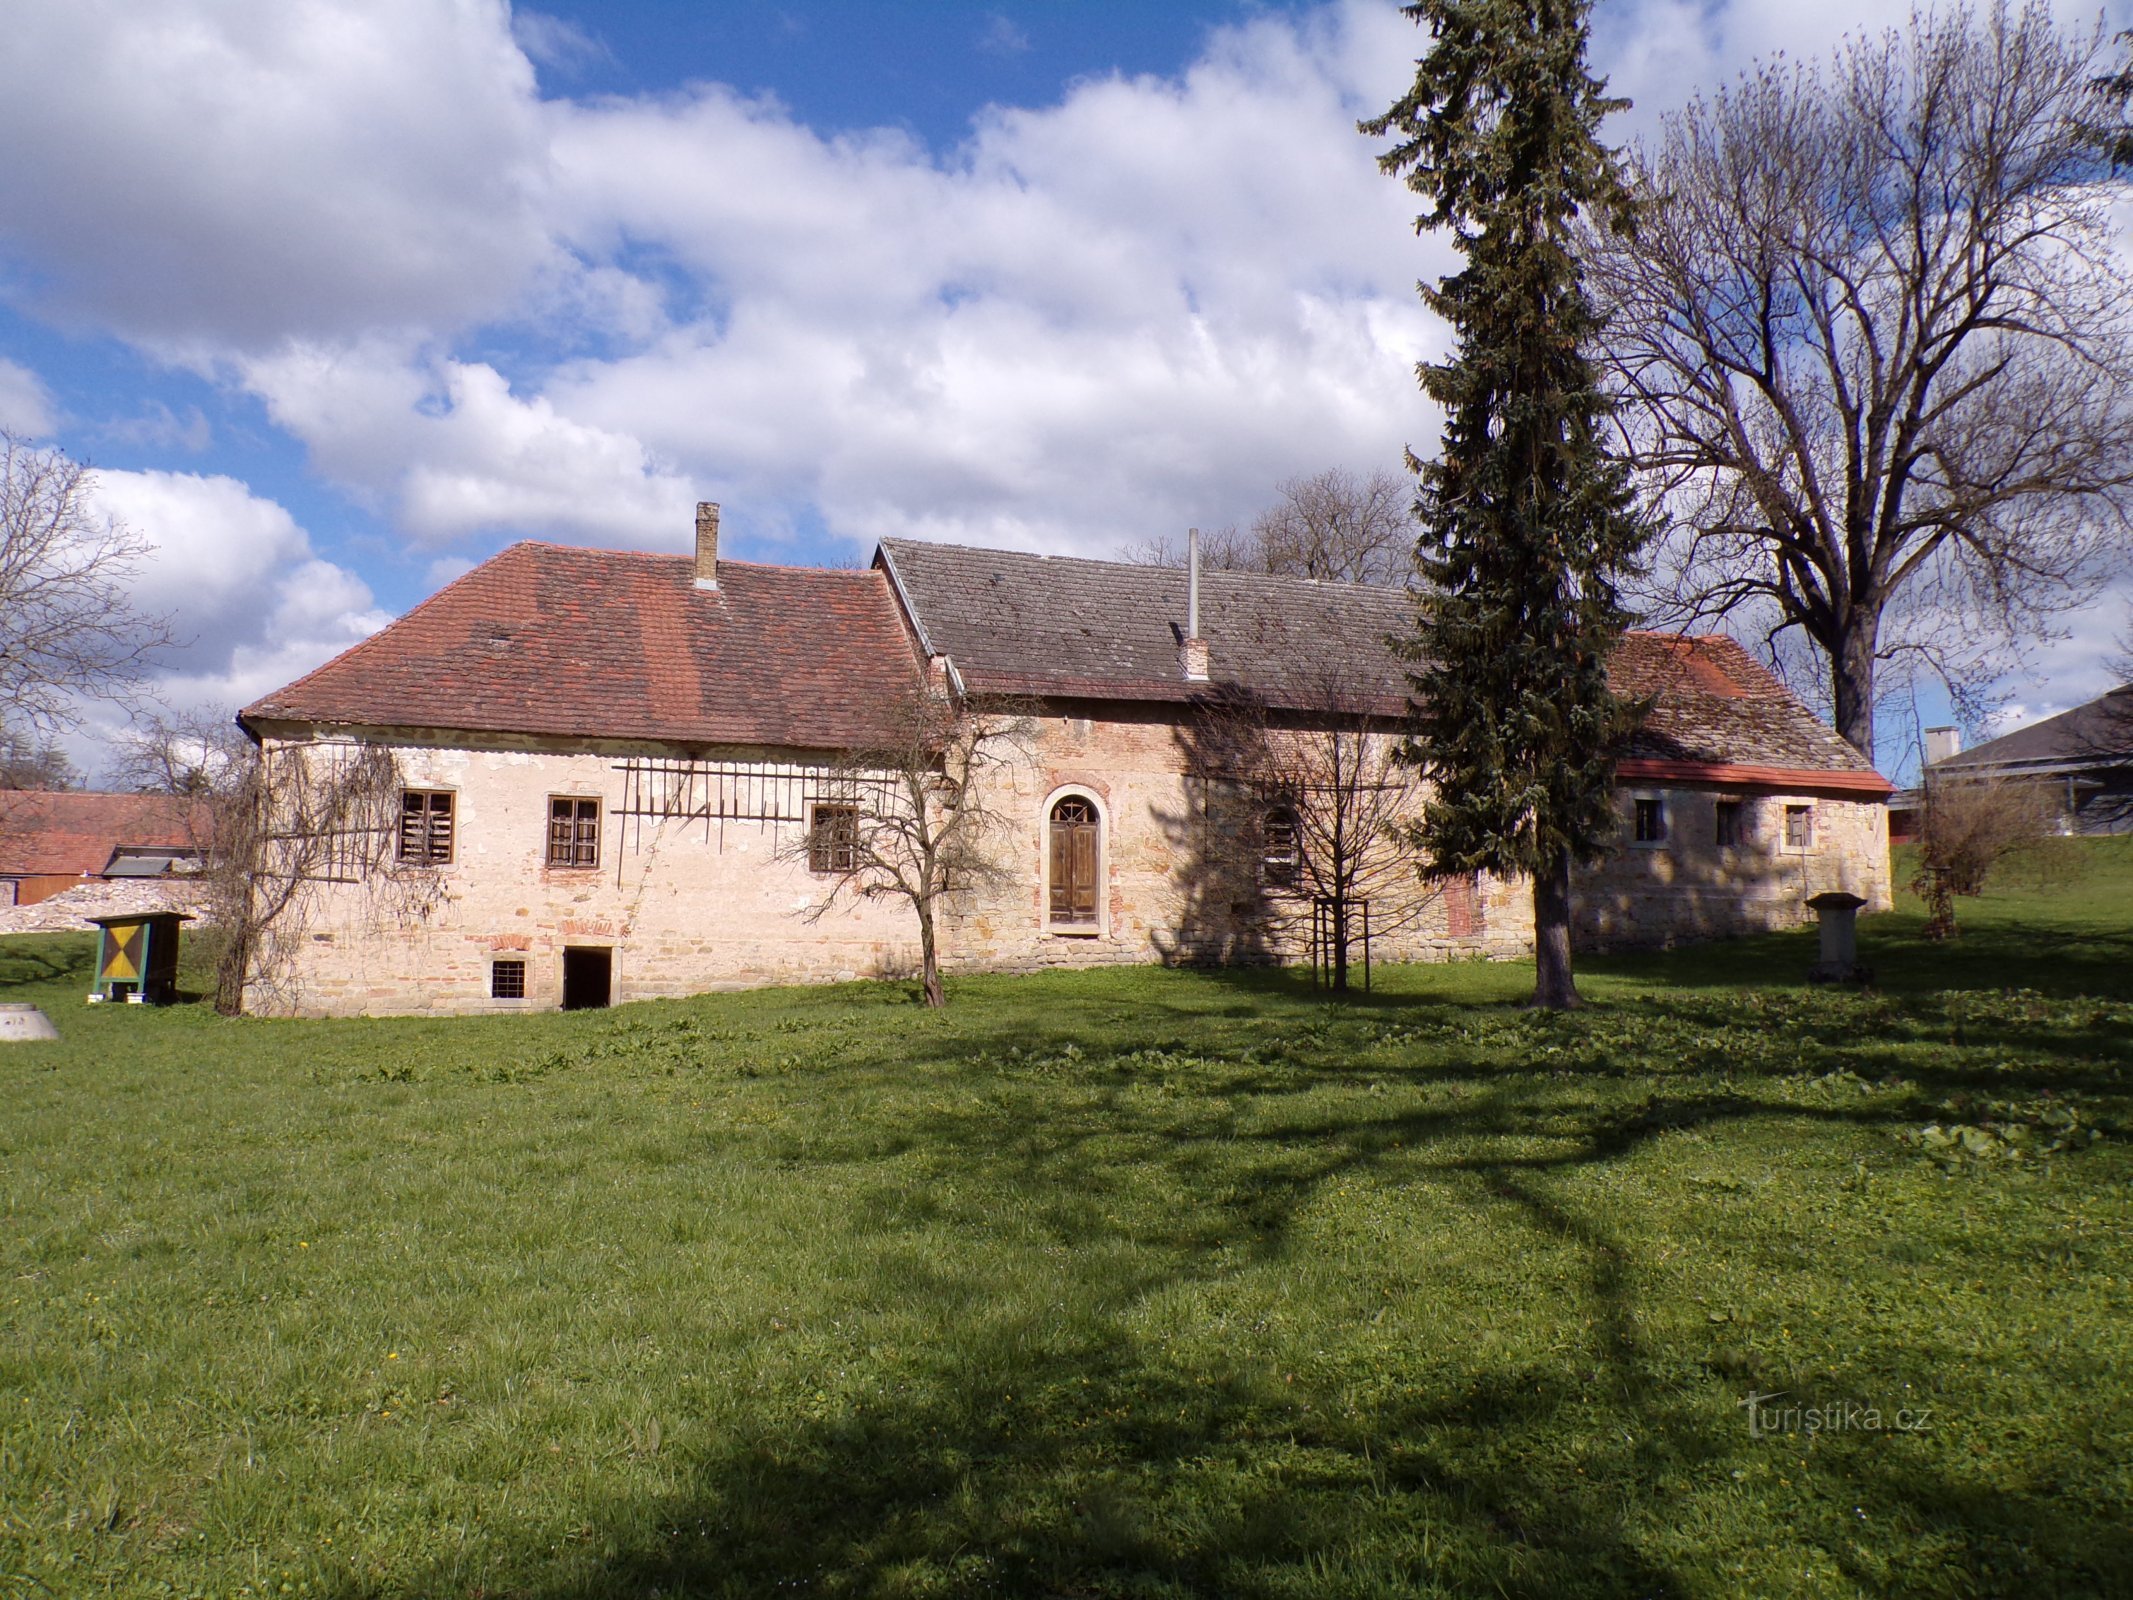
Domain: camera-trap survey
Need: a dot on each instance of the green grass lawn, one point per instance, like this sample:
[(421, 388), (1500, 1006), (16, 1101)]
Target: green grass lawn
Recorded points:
[(1144, 1283)]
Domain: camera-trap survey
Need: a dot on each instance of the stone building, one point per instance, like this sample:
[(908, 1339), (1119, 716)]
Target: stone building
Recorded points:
[(2081, 759), (619, 776)]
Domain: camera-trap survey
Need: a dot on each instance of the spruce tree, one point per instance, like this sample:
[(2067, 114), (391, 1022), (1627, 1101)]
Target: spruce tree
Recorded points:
[(1527, 520)]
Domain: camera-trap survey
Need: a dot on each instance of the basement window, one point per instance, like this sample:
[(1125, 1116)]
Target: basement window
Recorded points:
[(833, 839), (425, 827), (1799, 827), (1650, 820), (507, 980), (573, 831)]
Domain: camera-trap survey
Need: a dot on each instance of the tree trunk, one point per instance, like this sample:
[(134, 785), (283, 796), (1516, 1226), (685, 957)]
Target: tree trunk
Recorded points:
[(930, 961), (1340, 945), (1851, 670), (1553, 987)]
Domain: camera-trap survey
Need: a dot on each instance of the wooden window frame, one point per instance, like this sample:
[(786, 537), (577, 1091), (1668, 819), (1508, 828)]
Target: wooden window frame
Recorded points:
[(1804, 817), (1730, 824), (824, 844), (1641, 808), (428, 845), (1281, 863), (572, 846)]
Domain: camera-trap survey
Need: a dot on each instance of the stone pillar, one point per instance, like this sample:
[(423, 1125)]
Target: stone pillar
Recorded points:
[(1837, 917)]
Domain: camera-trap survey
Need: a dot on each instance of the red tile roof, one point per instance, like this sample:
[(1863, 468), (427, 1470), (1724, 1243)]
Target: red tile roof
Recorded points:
[(1717, 715), (47, 833), (557, 640), (552, 639)]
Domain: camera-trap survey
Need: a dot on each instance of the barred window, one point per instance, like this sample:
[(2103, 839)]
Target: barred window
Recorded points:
[(507, 980), (1651, 821), (573, 831), (425, 827), (833, 839)]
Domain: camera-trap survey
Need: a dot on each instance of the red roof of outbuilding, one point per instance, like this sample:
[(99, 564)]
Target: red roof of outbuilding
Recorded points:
[(553, 639), (51, 832)]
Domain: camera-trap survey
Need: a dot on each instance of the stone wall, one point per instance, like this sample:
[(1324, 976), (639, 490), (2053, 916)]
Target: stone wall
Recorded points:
[(71, 909), (1687, 887), (1182, 874), (685, 907)]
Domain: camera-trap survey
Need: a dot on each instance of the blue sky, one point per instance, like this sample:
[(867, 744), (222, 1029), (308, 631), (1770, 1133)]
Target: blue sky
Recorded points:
[(341, 296)]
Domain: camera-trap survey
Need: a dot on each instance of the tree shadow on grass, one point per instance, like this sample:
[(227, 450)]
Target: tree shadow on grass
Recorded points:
[(37, 960), (1988, 957), (1023, 1451)]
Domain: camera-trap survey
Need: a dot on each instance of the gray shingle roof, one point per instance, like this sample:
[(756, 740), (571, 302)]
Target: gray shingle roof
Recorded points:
[(1027, 624), (2095, 734), (1053, 625)]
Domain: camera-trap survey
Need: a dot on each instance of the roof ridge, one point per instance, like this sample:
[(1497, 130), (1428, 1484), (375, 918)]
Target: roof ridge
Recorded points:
[(1206, 573), (606, 552)]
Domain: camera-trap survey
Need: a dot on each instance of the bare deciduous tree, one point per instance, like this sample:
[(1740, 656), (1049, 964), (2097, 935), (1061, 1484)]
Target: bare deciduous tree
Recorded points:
[(1967, 826), (68, 627), (185, 753), (284, 822), (1329, 525), (1328, 801), (1873, 334), (1221, 550), (912, 820), (27, 764)]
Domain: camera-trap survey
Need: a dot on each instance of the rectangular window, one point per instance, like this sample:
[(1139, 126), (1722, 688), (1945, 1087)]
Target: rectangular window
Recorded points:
[(507, 980), (1730, 816), (573, 831), (1799, 827), (833, 839), (1651, 822), (425, 827), (1278, 854)]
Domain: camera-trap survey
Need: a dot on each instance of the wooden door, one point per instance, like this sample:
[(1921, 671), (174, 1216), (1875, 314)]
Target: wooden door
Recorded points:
[(1074, 863)]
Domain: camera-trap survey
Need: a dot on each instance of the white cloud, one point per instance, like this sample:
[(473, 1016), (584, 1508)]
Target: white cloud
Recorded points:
[(453, 453), (1660, 52), (254, 605), (1000, 37), (2086, 660), (156, 426), (557, 42), (25, 404), (213, 174), (488, 313)]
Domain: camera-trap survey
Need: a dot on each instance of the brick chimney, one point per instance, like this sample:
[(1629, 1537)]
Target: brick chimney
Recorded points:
[(707, 544), (1192, 654)]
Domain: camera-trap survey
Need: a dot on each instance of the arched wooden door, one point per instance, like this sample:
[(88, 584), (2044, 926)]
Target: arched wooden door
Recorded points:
[(1074, 861)]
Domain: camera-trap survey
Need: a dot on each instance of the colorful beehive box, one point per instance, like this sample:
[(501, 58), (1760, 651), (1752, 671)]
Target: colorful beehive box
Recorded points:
[(137, 959)]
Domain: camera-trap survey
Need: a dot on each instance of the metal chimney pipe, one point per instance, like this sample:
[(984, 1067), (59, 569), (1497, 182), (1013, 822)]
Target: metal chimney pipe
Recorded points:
[(1192, 583)]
